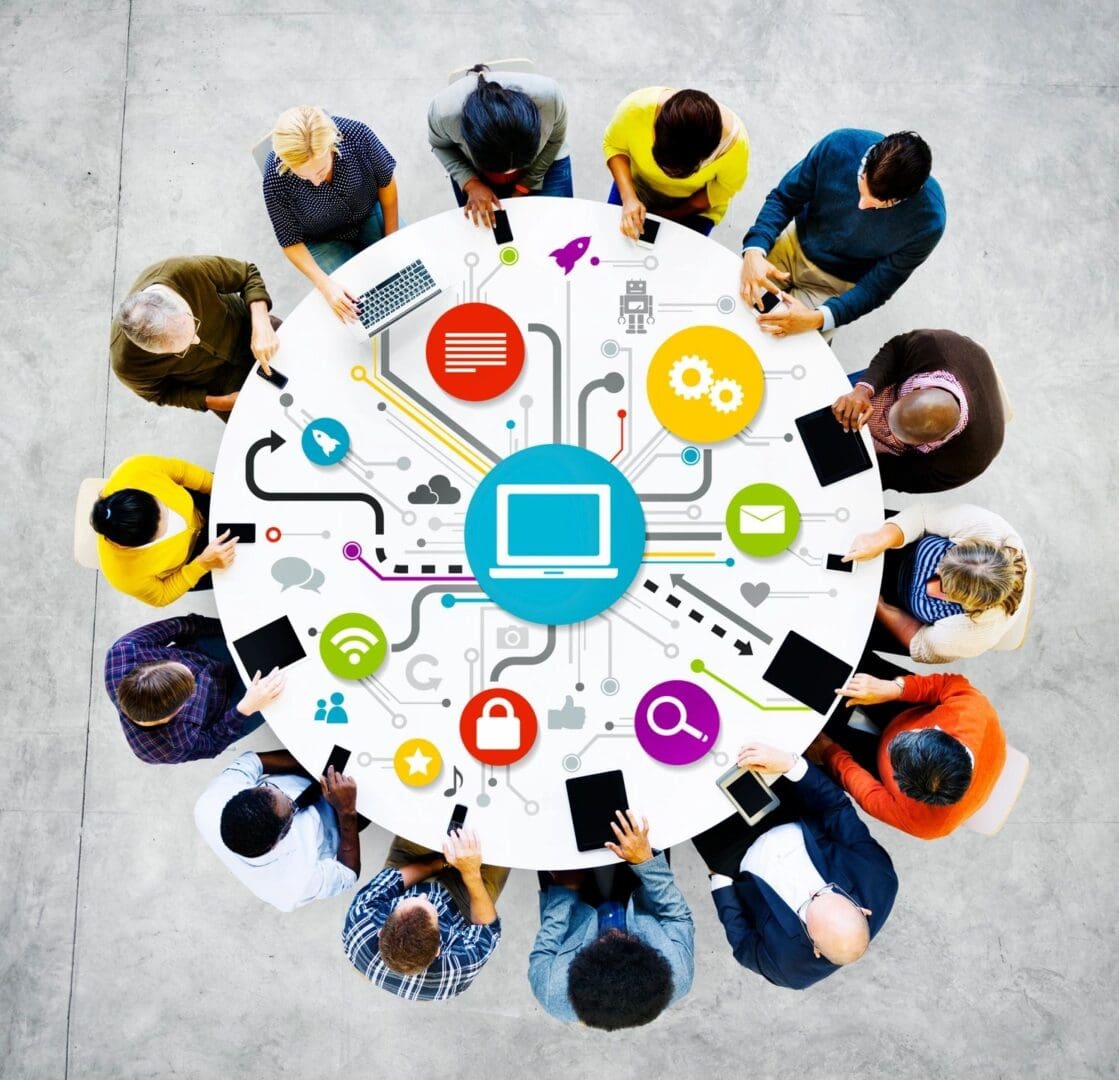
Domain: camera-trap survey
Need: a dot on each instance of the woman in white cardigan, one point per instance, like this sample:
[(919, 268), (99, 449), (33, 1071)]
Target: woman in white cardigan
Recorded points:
[(962, 584)]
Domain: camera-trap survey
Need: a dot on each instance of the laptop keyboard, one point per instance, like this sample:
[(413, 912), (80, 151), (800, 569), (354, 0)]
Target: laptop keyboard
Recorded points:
[(394, 293)]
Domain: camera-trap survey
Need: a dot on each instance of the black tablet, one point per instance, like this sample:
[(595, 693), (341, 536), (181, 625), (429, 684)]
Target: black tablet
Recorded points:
[(752, 797), (835, 454), (807, 673), (274, 645), (593, 800)]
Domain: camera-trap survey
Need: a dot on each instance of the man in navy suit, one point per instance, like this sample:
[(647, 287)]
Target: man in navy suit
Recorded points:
[(810, 894)]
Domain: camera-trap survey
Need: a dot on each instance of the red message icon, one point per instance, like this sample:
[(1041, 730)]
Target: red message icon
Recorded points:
[(475, 352), (498, 727)]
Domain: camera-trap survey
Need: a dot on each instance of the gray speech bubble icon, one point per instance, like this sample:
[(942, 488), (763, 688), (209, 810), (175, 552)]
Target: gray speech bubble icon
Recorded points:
[(315, 582), (291, 571)]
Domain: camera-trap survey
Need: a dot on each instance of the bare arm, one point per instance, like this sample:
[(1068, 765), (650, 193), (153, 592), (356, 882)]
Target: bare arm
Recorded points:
[(390, 210)]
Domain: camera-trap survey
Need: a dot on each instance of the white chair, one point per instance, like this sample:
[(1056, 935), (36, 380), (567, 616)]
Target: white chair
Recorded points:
[(85, 539), (1015, 636), (515, 63), (261, 150), (992, 815)]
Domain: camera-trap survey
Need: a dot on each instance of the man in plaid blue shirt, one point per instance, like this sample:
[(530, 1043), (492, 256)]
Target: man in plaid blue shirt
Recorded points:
[(178, 694), (422, 939)]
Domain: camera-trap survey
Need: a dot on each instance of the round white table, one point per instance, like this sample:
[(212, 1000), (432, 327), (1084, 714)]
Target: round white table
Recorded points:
[(591, 309)]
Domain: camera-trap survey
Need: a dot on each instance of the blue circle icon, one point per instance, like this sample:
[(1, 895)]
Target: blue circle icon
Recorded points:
[(554, 534), (325, 441)]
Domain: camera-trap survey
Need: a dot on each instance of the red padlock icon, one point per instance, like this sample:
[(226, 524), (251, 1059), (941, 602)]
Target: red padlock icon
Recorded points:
[(498, 727)]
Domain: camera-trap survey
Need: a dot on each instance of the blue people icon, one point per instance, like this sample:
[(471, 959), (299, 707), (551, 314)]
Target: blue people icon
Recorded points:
[(325, 441), (554, 534), (335, 714)]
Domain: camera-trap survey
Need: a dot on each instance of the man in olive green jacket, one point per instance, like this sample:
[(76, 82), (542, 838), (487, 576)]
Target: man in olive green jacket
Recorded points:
[(189, 331)]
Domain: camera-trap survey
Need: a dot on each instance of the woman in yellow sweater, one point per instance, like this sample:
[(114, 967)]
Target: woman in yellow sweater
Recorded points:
[(676, 153), (151, 521)]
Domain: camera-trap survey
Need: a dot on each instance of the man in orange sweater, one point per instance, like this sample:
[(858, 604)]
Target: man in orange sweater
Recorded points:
[(936, 762)]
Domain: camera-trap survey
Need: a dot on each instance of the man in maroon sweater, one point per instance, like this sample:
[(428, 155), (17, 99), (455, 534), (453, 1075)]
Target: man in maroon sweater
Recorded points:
[(933, 404)]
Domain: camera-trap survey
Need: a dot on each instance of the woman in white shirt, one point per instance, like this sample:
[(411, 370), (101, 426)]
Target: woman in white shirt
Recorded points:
[(957, 581)]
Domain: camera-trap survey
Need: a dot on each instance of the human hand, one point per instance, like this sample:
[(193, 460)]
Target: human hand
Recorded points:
[(340, 300), (867, 690), (870, 545), (633, 838), (463, 850), (817, 748), (765, 758), (263, 690), (759, 276), (265, 342), (853, 410), (794, 318), (633, 218), (220, 552), (481, 203), (340, 791)]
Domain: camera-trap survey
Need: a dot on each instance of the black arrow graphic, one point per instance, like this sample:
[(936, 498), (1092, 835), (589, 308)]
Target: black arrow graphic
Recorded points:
[(273, 443), (681, 582)]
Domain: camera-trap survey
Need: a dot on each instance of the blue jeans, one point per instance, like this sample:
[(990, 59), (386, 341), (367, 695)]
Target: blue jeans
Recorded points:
[(216, 648), (556, 182), (331, 254), (696, 222)]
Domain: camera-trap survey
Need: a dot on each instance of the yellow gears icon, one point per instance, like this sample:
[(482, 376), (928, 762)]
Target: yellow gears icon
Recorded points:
[(705, 384)]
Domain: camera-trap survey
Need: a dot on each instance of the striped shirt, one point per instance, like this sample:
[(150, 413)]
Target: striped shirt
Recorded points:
[(464, 946), (337, 209), (209, 722), (885, 442), (914, 576)]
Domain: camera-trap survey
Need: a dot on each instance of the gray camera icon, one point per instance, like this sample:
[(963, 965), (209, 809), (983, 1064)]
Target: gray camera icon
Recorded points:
[(512, 637)]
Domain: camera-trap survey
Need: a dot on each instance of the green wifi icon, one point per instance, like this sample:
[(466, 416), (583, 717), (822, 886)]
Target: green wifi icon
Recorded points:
[(352, 645)]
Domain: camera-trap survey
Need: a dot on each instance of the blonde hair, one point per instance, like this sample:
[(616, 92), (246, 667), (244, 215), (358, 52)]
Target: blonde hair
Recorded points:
[(980, 575), (301, 134)]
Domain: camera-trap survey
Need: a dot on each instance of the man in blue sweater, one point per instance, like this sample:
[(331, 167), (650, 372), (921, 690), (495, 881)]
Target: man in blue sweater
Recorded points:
[(842, 231)]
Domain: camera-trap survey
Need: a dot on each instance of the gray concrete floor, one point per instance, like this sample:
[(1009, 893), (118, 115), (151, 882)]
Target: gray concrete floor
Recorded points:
[(126, 950)]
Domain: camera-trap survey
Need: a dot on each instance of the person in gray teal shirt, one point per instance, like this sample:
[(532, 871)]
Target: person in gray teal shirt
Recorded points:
[(609, 963), (842, 231), (500, 136)]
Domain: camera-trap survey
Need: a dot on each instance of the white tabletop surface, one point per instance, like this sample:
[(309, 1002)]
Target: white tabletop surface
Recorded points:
[(450, 654)]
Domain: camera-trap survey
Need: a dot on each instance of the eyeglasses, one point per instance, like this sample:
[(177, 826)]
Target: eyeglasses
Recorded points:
[(295, 807), (180, 355), (831, 886)]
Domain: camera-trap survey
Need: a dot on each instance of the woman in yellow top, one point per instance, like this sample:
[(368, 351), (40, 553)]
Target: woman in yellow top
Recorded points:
[(151, 525), (675, 153)]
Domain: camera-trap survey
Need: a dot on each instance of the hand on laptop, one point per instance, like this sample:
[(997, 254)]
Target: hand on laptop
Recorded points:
[(340, 300), (633, 838)]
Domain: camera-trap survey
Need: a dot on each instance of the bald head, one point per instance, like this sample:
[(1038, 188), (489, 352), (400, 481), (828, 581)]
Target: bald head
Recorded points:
[(837, 927), (924, 416)]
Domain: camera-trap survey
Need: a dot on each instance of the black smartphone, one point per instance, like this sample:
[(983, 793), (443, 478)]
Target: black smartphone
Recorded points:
[(458, 816), (648, 235), (769, 301), (278, 379), (245, 532), (313, 791), (835, 562), (501, 231), (339, 756)]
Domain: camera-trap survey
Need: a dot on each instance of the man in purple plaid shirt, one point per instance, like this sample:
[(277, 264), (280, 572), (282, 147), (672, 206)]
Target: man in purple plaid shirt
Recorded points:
[(175, 686)]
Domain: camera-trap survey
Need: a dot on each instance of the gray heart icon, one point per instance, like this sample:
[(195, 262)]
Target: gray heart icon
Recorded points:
[(754, 594)]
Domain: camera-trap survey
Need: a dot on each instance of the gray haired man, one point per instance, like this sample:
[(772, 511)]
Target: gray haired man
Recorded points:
[(190, 329)]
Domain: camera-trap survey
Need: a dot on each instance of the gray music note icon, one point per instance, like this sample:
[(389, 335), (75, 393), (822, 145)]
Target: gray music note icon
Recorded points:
[(457, 778)]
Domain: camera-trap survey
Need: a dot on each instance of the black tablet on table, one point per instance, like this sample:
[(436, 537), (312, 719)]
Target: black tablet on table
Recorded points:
[(835, 454), (593, 801), (807, 672), (273, 645)]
